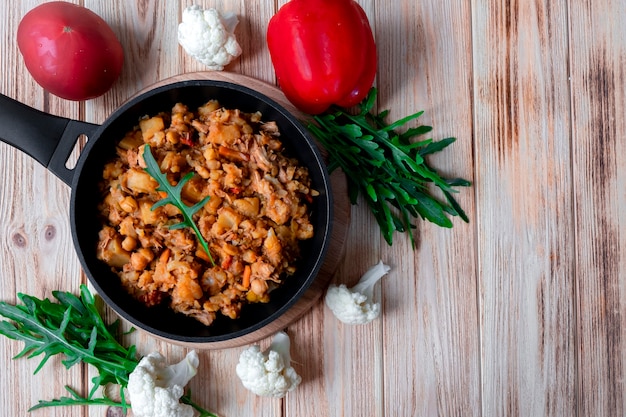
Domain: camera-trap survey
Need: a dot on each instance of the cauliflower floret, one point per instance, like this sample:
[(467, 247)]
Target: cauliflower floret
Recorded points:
[(208, 36), (355, 305), (155, 388), (268, 373)]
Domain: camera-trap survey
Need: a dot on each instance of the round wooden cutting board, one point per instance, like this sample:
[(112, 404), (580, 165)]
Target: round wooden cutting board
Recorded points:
[(341, 218)]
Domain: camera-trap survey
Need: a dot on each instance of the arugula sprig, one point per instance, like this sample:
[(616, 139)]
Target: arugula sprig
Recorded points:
[(76, 399), (72, 326), (388, 168), (173, 196)]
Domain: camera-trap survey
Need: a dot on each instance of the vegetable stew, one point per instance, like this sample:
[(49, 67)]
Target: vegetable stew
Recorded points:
[(254, 211)]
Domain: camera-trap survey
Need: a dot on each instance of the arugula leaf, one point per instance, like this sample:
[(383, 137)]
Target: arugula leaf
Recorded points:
[(388, 168), (173, 196)]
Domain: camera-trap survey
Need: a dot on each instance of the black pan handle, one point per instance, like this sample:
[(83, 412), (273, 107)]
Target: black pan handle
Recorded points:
[(47, 138)]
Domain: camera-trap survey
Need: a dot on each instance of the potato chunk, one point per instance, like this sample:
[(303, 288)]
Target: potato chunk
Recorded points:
[(151, 126), (139, 181)]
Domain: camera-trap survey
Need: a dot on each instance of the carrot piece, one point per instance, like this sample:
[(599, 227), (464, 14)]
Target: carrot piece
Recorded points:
[(247, 271), (200, 253), (165, 255)]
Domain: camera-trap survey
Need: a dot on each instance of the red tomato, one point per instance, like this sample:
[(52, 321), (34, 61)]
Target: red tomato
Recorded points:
[(69, 50)]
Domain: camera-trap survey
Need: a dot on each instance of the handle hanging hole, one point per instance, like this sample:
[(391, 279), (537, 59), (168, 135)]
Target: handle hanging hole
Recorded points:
[(71, 161)]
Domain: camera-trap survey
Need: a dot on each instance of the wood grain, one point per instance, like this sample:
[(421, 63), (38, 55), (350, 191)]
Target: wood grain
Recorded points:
[(598, 74), (525, 213), (434, 286), (518, 312), (35, 235)]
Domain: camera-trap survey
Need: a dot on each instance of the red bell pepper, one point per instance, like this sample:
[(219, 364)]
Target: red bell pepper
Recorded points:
[(323, 53)]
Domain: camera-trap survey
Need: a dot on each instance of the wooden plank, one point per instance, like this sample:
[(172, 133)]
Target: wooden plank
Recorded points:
[(598, 76), (431, 363), (525, 214), (342, 365), (255, 60), (148, 34), (37, 250)]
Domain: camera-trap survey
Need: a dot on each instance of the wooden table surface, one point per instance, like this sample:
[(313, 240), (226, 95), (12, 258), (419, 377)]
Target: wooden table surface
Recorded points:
[(518, 312)]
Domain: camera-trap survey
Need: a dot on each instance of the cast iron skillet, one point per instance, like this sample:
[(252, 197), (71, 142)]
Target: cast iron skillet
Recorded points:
[(50, 140)]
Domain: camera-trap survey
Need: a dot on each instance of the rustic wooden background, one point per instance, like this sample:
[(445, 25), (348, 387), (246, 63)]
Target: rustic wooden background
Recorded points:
[(518, 312)]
